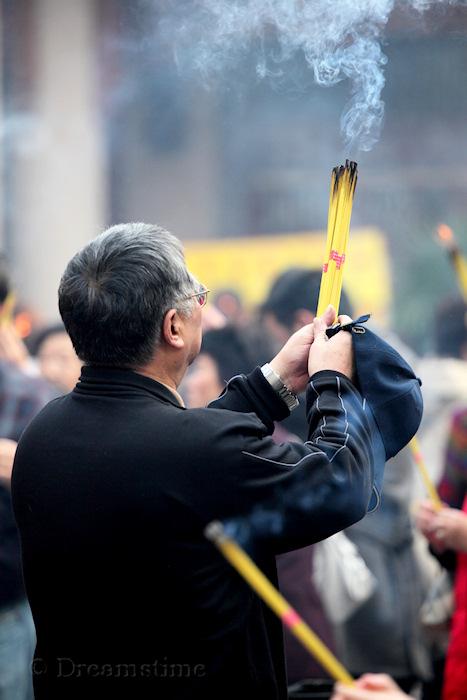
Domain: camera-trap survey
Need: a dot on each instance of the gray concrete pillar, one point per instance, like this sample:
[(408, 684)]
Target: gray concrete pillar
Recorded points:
[(59, 179)]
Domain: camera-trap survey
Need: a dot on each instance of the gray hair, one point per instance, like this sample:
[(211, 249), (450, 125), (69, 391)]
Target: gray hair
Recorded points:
[(115, 292)]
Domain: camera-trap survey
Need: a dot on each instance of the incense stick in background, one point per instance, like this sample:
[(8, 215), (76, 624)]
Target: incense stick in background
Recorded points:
[(420, 462), (6, 313), (343, 183), (264, 588), (447, 239)]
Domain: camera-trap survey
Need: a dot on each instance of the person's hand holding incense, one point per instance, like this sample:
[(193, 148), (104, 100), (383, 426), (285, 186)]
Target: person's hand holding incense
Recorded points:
[(291, 362), (444, 529), (450, 528), (331, 353), (426, 522), (371, 686)]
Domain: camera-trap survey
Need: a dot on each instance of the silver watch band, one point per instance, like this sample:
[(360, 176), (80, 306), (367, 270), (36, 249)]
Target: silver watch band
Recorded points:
[(278, 385)]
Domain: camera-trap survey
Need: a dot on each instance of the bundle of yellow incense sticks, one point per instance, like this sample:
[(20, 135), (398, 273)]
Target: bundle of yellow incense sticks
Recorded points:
[(420, 462), (343, 182), (459, 263), (240, 560)]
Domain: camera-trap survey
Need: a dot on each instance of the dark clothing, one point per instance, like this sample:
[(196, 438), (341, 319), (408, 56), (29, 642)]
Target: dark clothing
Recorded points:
[(113, 485), (453, 486), (296, 422), (21, 398), (453, 490), (296, 584), (11, 579)]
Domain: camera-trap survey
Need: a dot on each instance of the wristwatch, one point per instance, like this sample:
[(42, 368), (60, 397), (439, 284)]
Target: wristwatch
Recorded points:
[(278, 385)]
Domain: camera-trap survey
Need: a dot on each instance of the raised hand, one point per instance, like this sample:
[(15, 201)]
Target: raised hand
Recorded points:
[(292, 361), (371, 686), (334, 353)]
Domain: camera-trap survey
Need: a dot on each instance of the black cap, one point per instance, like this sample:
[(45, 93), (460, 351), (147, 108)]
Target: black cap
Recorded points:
[(390, 387)]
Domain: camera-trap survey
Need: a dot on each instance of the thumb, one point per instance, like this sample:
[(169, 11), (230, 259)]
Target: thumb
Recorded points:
[(319, 326), (329, 315)]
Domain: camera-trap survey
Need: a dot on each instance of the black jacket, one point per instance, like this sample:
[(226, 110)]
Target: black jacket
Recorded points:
[(112, 487)]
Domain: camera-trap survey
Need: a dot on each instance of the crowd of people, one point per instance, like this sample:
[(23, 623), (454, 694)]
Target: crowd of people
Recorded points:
[(115, 480)]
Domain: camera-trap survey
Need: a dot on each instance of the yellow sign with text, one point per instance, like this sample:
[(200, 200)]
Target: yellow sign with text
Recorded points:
[(250, 265)]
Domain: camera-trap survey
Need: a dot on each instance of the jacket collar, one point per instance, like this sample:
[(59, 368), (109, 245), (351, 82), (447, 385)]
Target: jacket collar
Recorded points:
[(107, 381)]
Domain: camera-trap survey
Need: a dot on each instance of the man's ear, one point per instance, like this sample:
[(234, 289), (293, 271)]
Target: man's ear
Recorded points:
[(301, 318), (172, 329)]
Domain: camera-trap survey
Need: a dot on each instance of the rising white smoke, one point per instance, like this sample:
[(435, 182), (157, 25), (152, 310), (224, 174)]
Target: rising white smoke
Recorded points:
[(339, 39)]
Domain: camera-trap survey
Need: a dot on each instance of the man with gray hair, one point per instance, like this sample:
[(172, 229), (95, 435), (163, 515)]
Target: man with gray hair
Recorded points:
[(115, 482)]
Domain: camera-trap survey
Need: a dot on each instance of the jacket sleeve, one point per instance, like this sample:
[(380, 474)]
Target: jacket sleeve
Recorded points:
[(292, 494), (253, 394)]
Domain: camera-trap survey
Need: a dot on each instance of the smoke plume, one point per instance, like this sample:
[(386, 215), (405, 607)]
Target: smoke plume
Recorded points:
[(339, 40)]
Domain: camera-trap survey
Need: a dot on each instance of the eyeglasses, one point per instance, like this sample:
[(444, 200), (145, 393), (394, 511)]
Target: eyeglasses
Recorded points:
[(201, 296)]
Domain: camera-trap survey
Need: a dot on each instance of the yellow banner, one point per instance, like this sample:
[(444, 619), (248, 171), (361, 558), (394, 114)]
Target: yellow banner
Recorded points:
[(250, 265)]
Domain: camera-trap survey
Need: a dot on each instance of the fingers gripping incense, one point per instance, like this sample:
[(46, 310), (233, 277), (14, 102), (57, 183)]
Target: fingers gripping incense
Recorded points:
[(343, 182), (238, 558)]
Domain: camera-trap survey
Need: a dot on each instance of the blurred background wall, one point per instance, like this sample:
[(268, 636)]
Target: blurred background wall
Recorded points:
[(98, 126)]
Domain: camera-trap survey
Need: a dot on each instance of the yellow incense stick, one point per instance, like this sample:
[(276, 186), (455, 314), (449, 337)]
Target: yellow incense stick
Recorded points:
[(325, 278), (236, 556), (447, 240), (6, 312), (343, 182), (420, 462), (460, 267)]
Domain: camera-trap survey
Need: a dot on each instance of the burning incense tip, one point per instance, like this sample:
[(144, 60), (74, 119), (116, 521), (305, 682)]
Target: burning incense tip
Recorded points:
[(214, 532), (445, 233)]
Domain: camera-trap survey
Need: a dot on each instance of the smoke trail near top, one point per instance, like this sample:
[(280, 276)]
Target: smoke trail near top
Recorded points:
[(339, 39)]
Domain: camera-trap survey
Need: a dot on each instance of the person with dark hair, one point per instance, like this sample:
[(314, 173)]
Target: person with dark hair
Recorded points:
[(223, 355), (444, 377), (292, 300), (21, 397), (230, 304), (290, 305), (114, 484), (450, 328), (58, 361)]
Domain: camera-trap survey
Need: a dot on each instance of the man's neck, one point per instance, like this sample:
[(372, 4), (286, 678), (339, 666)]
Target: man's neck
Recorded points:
[(161, 375)]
